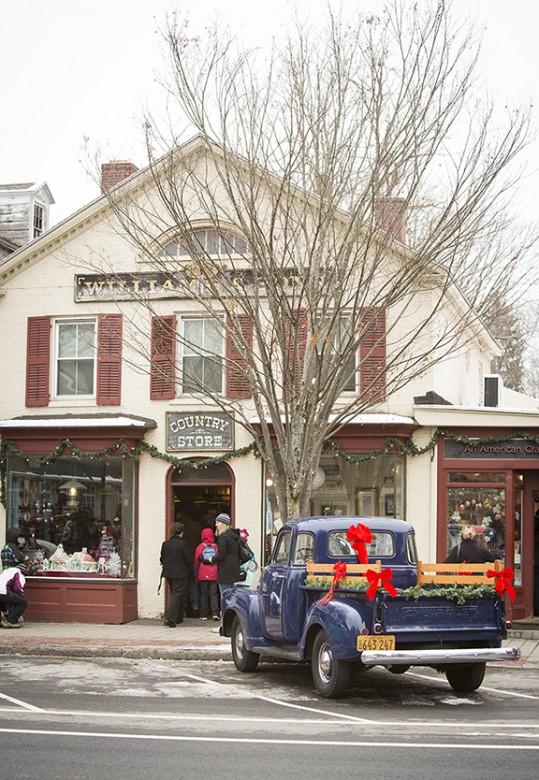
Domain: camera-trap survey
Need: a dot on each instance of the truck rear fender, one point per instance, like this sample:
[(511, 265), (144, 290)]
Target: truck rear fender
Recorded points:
[(342, 621)]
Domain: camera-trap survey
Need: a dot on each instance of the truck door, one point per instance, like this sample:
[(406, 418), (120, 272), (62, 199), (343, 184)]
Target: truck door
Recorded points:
[(272, 586)]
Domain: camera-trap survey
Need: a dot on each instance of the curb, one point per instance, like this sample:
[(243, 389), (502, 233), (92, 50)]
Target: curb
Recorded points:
[(106, 651), (522, 634)]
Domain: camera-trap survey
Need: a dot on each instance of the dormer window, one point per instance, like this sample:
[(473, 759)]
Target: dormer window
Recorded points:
[(39, 220), (209, 243)]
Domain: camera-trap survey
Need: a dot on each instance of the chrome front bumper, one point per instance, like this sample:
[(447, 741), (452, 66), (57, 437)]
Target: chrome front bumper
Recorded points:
[(436, 657)]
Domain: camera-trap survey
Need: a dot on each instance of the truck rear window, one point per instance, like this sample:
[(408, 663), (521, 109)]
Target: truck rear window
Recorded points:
[(382, 545)]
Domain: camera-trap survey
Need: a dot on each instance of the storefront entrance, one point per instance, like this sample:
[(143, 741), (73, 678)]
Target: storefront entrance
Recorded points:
[(494, 488), (200, 495)]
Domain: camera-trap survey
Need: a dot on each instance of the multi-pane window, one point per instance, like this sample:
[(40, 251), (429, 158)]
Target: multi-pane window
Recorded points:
[(202, 355), (75, 357), (207, 242), (39, 220), (341, 347)]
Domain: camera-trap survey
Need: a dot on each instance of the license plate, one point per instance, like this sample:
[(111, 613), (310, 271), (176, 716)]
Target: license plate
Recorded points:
[(385, 642)]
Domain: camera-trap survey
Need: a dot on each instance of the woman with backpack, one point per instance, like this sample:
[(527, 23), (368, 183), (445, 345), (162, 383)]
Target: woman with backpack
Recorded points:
[(205, 570)]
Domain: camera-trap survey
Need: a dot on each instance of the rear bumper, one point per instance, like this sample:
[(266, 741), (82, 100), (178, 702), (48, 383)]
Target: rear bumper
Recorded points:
[(437, 657)]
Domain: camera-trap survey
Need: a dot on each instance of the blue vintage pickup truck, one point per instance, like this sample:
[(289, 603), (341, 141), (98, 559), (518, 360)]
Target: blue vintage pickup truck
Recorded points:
[(315, 603)]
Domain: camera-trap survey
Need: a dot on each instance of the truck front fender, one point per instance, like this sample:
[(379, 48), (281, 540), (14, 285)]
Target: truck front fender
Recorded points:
[(243, 602), (343, 621)]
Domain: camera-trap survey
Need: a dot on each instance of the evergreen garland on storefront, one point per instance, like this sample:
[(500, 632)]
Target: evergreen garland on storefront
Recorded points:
[(392, 446), (116, 447)]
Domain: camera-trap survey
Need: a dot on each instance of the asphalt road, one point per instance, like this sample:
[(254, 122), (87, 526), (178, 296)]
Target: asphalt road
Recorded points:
[(127, 718)]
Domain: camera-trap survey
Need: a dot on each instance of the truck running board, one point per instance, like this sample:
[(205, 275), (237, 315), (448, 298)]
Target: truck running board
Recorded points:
[(277, 652), (435, 657)]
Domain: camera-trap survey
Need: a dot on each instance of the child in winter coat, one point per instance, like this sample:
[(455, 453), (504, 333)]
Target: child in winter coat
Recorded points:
[(12, 582), (206, 576)]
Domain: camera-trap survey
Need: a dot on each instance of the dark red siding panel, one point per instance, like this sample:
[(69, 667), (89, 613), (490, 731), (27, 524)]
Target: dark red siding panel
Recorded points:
[(373, 355), (109, 359), (237, 384), (163, 358), (38, 361), (296, 339)]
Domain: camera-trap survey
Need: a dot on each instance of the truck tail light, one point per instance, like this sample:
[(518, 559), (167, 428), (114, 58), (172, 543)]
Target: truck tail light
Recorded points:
[(377, 628), (508, 625)]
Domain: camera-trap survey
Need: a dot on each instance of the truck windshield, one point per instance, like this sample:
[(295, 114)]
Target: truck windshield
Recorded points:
[(382, 545)]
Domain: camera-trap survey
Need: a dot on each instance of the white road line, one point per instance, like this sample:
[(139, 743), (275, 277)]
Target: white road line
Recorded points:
[(509, 693), (279, 741), (352, 718), (454, 725), (280, 703), (516, 694), (20, 703)]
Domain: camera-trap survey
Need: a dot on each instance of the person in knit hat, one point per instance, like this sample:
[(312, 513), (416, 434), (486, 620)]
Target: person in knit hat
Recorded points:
[(12, 600), (205, 570), (228, 556)]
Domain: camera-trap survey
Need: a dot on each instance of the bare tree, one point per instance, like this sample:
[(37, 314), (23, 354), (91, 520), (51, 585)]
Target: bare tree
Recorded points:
[(318, 154)]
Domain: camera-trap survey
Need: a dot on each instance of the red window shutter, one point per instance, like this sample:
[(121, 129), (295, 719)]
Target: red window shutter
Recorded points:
[(373, 354), (296, 338), (237, 384), (109, 359), (163, 357), (38, 361)]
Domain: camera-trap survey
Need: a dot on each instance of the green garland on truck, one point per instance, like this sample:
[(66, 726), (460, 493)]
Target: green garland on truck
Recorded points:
[(458, 593)]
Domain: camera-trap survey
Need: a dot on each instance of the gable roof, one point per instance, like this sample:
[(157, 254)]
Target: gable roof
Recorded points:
[(91, 212)]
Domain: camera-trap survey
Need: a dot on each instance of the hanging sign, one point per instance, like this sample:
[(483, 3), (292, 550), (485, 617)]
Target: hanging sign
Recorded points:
[(199, 431)]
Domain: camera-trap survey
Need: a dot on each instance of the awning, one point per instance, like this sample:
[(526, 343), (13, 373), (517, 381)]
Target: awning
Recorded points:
[(78, 421)]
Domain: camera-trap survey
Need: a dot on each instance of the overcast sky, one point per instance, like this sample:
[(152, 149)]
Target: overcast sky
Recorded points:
[(76, 69)]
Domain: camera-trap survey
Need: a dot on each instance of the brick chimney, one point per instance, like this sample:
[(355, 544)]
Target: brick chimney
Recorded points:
[(390, 215), (115, 171)]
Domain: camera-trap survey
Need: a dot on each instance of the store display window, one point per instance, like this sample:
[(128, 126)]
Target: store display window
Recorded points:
[(478, 502), (373, 487), (75, 515)]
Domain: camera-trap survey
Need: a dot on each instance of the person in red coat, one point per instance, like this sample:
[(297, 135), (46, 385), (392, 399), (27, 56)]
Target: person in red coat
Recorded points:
[(206, 576)]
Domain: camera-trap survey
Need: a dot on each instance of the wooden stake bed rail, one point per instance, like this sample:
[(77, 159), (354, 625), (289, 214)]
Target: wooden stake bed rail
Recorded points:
[(354, 571), (456, 573)]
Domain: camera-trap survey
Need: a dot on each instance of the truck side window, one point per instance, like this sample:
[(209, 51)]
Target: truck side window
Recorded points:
[(411, 552), (282, 548), (382, 545), (303, 549)]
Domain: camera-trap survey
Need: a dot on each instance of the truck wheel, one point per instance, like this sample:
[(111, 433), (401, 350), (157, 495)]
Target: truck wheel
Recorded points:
[(465, 678), (244, 660), (331, 676)]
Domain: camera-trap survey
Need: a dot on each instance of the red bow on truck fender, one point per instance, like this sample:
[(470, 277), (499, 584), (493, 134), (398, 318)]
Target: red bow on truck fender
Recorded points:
[(360, 535), (375, 577), (503, 581), (340, 574)]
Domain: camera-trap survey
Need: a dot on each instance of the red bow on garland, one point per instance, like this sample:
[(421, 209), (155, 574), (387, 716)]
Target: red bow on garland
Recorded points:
[(360, 535), (375, 577), (340, 574), (503, 581)]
